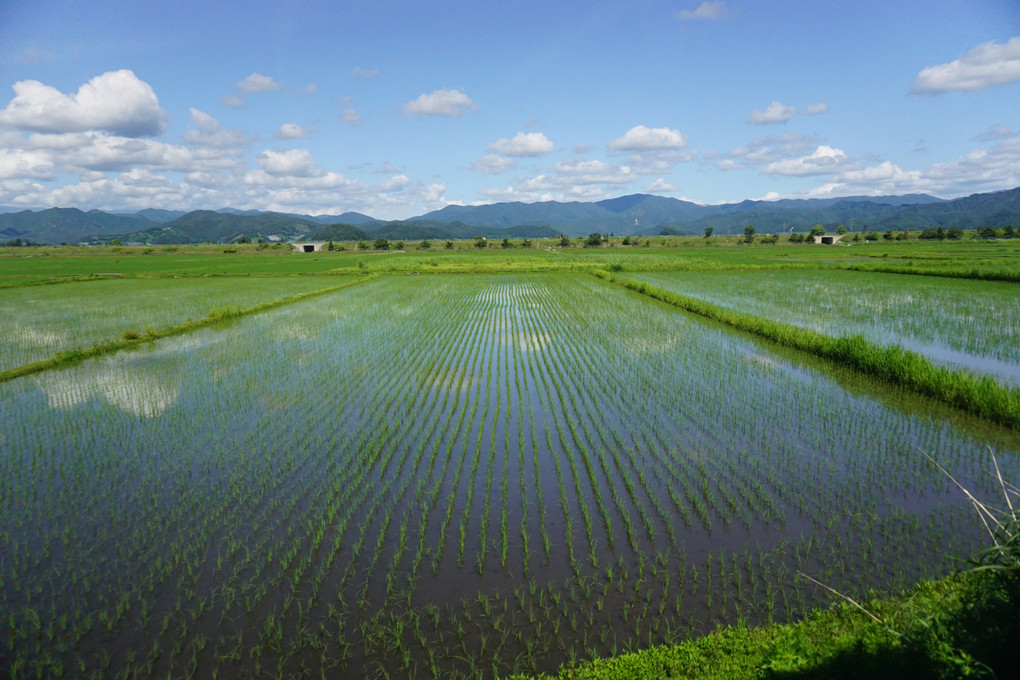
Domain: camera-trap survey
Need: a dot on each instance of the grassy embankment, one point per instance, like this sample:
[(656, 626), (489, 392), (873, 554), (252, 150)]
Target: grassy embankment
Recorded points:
[(133, 338), (979, 395)]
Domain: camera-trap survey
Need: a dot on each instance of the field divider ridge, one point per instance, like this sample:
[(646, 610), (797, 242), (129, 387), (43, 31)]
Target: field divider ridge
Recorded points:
[(979, 395), (133, 339)]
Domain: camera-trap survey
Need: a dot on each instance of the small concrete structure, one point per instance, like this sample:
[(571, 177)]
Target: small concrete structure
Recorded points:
[(309, 246), (829, 239)]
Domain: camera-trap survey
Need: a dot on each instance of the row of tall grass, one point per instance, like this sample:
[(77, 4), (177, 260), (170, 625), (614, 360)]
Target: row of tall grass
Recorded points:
[(951, 270), (979, 395), (960, 323)]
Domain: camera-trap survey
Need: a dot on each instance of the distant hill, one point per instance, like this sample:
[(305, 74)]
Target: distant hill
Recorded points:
[(435, 230), (574, 218), (859, 213), (645, 214), (339, 232), (67, 225), (354, 218), (200, 226), (640, 214), (156, 215)]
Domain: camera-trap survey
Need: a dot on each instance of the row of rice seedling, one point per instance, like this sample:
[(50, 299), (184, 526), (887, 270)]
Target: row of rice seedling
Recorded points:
[(443, 476), (43, 320), (966, 323)]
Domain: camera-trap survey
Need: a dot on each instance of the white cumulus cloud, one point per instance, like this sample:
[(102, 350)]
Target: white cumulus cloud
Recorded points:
[(660, 186), (641, 138), (824, 160), (449, 103), (20, 163), (776, 112), (257, 82), (291, 131), (987, 65), (290, 163), (523, 144), (116, 102), (815, 109)]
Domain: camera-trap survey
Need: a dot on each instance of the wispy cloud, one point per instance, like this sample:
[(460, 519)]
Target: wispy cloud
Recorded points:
[(365, 73), (706, 11), (776, 112)]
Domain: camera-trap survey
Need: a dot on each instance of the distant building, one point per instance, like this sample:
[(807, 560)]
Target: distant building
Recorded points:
[(829, 239)]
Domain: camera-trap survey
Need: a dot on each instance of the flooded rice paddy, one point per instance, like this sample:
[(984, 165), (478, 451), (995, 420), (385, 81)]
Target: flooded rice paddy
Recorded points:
[(963, 323), (455, 475)]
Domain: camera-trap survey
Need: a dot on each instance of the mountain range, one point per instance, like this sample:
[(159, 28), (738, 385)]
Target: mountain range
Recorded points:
[(637, 214)]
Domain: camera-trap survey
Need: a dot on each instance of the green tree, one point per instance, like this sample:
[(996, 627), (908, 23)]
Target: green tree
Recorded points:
[(526, 243), (425, 245), (594, 240), (749, 233), (709, 231), (381, 244), (841, 229), (505, 243), (480, 242), (564, 241), (817, 230), (449, 245), (330, 247)]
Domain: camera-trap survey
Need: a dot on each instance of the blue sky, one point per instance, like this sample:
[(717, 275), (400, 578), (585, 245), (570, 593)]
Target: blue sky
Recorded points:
[(396, 108)]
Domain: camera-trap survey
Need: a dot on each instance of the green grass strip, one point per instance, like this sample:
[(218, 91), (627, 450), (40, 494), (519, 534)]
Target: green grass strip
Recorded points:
[(132, 338), (979, 395), (977, 273)]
